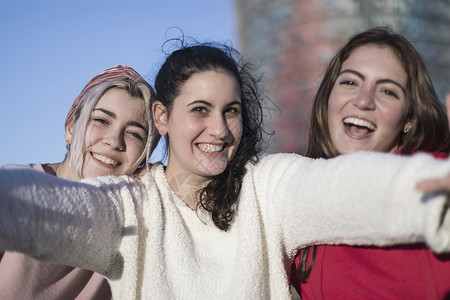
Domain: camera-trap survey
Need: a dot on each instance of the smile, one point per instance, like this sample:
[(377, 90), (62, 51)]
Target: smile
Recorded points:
[(359, 124), (105, 159), (210, 148)]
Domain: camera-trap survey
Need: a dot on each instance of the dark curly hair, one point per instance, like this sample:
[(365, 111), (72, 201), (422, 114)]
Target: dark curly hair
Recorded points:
[(222, 191)]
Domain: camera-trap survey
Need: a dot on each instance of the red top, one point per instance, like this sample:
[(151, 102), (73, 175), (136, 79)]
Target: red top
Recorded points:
[(403, 272), (409, 272)]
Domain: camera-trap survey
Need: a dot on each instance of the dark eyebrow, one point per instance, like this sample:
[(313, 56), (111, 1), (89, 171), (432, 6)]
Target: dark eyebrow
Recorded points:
[(378, 81), (234, 102), (210, 104), (353, 72), (113, 115), (200, 102)]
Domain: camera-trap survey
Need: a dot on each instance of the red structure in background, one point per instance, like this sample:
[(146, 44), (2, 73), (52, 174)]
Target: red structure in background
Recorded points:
[(295, 39)]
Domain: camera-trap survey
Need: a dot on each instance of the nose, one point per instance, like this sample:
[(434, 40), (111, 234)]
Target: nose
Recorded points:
[(115, 140), (218, 126), (364, 100)]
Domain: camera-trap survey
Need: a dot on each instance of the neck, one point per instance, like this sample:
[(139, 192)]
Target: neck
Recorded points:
[(60, 169), (186, 186)]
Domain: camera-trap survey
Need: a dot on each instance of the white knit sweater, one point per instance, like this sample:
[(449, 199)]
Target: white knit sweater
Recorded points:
[(150, 245)]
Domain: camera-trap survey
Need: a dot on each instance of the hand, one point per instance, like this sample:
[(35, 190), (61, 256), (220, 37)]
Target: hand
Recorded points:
[(447, 103), (435, 185), (139, 173), (142, 173)]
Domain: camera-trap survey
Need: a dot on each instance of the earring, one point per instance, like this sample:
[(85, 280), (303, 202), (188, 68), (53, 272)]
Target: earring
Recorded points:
[(406, 130), (68, 147)]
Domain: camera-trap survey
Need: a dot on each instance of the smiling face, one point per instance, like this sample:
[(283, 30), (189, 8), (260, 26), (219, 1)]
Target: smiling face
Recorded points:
[(204, 125), (367, 105), (115, 136)]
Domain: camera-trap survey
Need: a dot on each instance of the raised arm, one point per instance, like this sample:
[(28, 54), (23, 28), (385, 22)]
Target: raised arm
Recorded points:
[(63, 221), (447, 104), (357, 199)]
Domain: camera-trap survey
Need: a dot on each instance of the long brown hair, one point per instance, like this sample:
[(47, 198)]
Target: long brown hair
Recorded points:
[(429, 126)]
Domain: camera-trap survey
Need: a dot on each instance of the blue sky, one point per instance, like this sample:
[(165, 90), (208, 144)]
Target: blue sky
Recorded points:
[(49, 50)]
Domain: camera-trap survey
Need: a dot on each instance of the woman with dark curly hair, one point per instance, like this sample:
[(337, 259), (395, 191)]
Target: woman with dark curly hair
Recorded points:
[(221, 220), (376, 95)]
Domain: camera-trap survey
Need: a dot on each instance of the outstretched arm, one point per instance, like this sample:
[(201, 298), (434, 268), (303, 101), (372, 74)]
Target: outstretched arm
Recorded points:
[(62, 221), (358, 199)]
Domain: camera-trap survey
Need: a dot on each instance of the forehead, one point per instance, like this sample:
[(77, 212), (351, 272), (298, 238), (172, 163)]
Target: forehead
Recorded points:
[(121, 102), (211, 86), (118, 96), (377, 59)]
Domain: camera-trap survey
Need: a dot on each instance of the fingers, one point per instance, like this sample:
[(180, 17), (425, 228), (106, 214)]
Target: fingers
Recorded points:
[(447, 103), (434, 185), (155, 165), (142, 173)]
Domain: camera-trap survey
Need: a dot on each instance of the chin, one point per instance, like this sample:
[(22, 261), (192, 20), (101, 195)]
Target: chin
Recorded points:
[(214, 171)]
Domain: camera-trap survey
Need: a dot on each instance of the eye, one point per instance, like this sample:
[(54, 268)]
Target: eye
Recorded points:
[(347, 82), (390, 93), (232, 111), (136, 135), (100, 120), (199, 110)]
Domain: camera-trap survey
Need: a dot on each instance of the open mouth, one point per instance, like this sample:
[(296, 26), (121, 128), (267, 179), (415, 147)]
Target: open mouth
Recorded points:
[(211, 148), (105, 159), (358, 126)]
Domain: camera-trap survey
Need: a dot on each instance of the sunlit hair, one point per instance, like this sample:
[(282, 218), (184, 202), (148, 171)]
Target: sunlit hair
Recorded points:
[(80, 114), (429, 127), (220, 195), (429, 130)]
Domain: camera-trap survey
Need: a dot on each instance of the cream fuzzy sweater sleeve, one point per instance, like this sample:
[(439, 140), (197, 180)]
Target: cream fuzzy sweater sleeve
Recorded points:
[(151, 245), (85, 222), (364, 198)]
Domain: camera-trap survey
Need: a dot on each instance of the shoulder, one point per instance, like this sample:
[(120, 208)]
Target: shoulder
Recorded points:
[(279, 161), (271, 169), (442, 155), (20, 166)]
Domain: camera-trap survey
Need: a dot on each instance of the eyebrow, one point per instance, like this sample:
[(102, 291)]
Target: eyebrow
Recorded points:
[(211, 105), (113, 115), (378, 81)]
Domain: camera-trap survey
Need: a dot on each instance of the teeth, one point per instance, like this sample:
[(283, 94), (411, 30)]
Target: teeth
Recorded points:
[(210, 147), (359, 122), (105, 159)]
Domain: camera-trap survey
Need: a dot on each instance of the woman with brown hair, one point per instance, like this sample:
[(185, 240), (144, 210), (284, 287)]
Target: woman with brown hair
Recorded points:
[(376, 95)]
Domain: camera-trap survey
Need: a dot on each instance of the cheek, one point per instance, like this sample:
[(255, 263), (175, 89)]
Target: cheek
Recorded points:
[(333, 115), (235, 126), (334, 118), (91, 135), (336, 102), (183, 129), (135, 149), (393, 116)]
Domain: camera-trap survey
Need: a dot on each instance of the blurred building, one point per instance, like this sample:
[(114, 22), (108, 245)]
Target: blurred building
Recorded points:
[(294, 41)]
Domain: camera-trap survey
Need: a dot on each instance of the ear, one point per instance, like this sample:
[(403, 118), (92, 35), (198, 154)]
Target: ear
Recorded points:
[(69, 132), (407, 127), (159, 112)]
